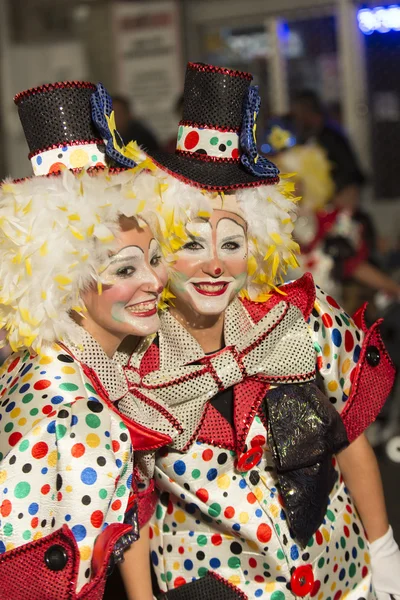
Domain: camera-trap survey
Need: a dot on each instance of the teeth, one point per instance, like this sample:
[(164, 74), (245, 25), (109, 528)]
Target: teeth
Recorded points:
[(142, 307), (210, 288)]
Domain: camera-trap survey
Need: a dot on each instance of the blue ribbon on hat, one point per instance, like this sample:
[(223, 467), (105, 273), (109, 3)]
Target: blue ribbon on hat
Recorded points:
[(101, 104), (253, 163)]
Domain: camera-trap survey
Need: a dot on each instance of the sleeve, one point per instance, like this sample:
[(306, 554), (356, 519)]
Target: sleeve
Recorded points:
[(353, 367)]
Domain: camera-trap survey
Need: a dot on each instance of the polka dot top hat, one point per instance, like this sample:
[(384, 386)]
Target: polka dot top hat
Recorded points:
[(216, 147), (71, 125)]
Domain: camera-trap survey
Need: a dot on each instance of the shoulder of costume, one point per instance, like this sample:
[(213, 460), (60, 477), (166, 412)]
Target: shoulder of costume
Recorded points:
[(300, 293)]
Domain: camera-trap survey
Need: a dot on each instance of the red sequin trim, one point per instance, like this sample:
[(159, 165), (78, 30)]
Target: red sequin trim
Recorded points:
[(147, 502), (202, 68), (204, 126), (51, 87), (206, 157), (98, 141)]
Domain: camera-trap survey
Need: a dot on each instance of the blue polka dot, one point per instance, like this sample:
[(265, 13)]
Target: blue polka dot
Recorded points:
[(215, 563), (356, 353), (67, 517), (242, 484), (107, 434), (154, 558), (27, 368), (51, 427), (24, 388), (129, 482), (2, 547), (236, 527), (191, 508), (354, 552), (191, 533), (118, 462), (44, 470), (258, 593), (57, 377), (342, 574), (39, 160), (42, 372), (179, 467), (211, 475), (33, 508), (57, 399), (188, 565), (294, 553), (64, 148), (10, 406), (337, 337), (79, 532), (88, 476), (74, 420), (259, 513)]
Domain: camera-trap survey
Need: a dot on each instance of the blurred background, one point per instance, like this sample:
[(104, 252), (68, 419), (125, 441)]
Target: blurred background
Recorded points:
[(344, 53)]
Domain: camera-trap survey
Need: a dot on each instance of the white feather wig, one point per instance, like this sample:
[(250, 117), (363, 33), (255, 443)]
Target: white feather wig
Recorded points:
[(55, 234)]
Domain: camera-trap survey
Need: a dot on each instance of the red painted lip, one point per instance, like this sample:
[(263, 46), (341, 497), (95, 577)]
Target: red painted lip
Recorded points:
[(146, 313), (213, 284)]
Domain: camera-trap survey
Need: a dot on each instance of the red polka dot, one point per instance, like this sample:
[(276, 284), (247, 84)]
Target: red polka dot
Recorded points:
[(264, 533), (191, 140), (57, 166), (251, 499), (235, 153), (346, 531), (349, 509), (115, 446), (320, 363), (259, 440), (316, 588), (337, 595), (42, 384), (332, 302), (335, 568), (39, 450), (202, 494), (207, 455), (5, 508), (116, 505), (253, 563), (181, 549), (59, 496), (348, 341), (327, 320), (78, 450), (259, 579), (96, 519), (364, 571), (319, 539), (12, 366), (179, 581), (14, 438), (45, 489), (34, 522), (229, 512), (216, 539), (151, 533), (170, 508)]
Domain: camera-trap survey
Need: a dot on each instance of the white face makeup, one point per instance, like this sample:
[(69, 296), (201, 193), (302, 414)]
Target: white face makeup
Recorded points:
[(211, 268)]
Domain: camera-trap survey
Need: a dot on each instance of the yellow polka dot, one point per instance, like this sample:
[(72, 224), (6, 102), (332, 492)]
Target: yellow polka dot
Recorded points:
[(347, 391), (45, 360), (36, 422), (274, 510), (92, 440), (270, 587), (190, 549), (333, 586), (3, 476), (68, 370), (252, 546), (346, 595), (22, 422), (180, 516), (194, 455), (52, 458), (85, 552), (78, 158), (327, 350), (68, 488), (37, 431), (27, 377), (38, 535), (243, 517), (182, 540), (223, 481), (226, 536), (176, 566), (366, 558), (258, 493), (326, 534), (68, 468), (321, 596), (346, 365), (234, 580), (156, 529), (15, 413), (332, 386), (346, 518)]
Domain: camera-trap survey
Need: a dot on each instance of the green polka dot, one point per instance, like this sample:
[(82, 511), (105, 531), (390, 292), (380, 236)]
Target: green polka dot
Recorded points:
[(317, 347), (165, 529), (159, 511), (26, 535), (121, 491), (280, 554), (202, 540), (90, 388), (69, 387), (352, 570), (1, 456), (92, 421), (27, 398), (341, 381), (8, 529), (169, 576), (103, 494), (229, 143), (214, 510), (202, 571), (234, 562), (278, 596), (330, 515), (343, 542), (23, 446), (163, 578), (196, 473), (361, 543), (278, 529), (94, 157), (61, 430), (180, 132), (34, 412), (266, 566), (9, 427), (12, 390), (107, 447), (345, 319), (120, 518), (257, 419), (122, 426), (335, 356), (321, 563), (310, 542), (22, 489), (214, 141)]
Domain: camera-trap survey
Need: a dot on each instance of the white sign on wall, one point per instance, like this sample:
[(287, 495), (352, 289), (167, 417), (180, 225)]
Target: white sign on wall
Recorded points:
[(147, 37)]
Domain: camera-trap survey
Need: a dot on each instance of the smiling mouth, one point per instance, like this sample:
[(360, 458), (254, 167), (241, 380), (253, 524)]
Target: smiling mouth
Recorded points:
[(143, 309), (211, 289)]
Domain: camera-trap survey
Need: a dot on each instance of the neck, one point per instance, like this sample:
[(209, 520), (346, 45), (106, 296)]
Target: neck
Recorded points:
[(207, 330), (107, 340)]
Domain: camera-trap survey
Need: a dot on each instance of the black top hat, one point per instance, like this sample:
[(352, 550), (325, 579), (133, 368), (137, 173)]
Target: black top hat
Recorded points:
[(216, 147)]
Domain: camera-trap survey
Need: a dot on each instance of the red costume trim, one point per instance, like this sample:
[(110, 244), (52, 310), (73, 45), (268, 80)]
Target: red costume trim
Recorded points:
[(51, 87), (147, 502), (202, 68)]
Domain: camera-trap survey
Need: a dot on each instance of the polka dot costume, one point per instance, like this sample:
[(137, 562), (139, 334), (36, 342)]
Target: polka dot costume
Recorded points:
[(65, 457)]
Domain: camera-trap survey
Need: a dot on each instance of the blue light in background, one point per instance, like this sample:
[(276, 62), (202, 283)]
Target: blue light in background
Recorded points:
[(381, 19)]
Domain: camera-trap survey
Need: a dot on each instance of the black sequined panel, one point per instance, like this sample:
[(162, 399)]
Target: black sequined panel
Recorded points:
[(57, 116), (304, 431), (208, 587), (214, 98)]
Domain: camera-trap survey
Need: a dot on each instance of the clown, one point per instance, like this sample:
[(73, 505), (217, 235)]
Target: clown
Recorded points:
[(80, 270), (267, 491)]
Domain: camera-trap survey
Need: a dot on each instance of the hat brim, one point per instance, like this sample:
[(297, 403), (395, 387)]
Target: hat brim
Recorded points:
[(206, 174)]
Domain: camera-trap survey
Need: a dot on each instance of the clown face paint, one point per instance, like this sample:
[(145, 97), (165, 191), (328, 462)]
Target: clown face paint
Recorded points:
[(211, 268), (132, 282)]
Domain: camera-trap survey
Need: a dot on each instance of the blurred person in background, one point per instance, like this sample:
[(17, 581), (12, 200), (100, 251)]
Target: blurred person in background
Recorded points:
[(170, 145), (131, 128)]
